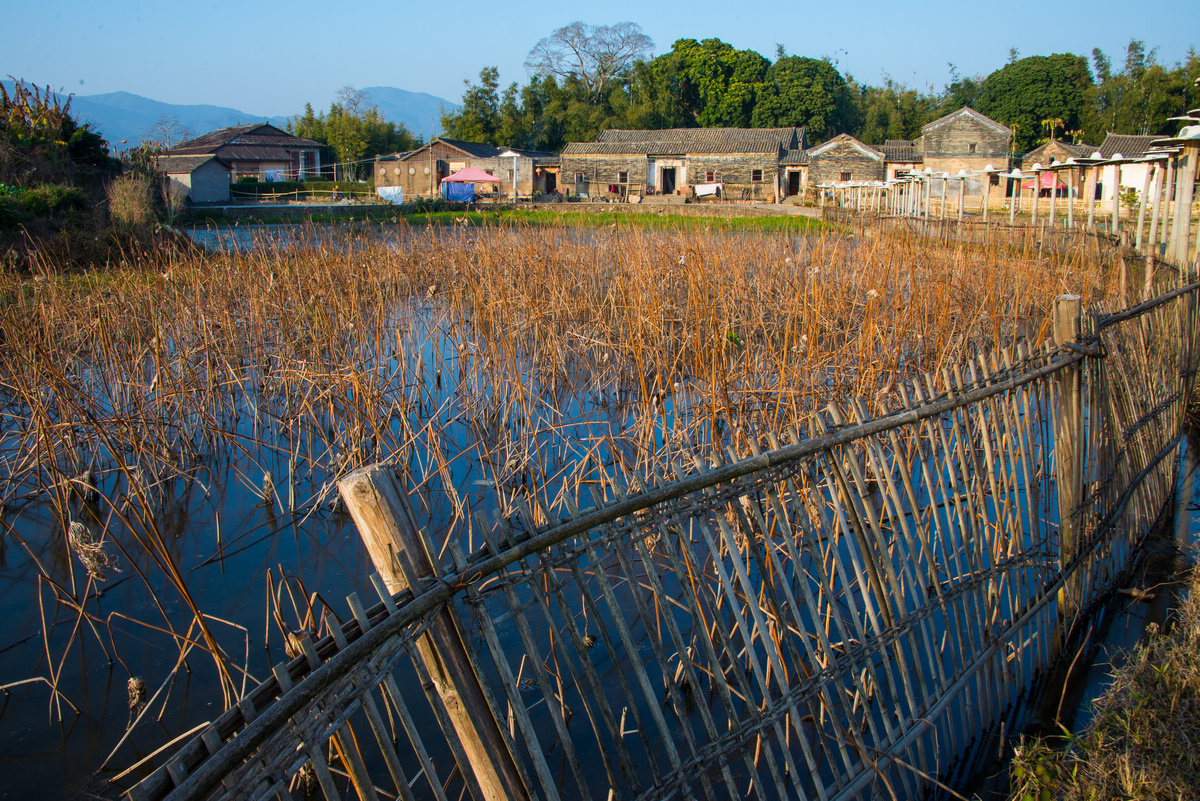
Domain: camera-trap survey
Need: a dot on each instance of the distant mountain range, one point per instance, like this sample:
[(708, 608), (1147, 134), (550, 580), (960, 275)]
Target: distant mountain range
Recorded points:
[(123, 116)]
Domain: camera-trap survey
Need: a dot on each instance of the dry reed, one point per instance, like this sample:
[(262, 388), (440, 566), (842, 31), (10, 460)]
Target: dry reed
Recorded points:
[(535, 353)]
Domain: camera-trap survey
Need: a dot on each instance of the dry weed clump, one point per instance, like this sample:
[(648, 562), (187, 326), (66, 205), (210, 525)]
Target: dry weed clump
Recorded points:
[(540, 357), (1141, 744), (131, 201)]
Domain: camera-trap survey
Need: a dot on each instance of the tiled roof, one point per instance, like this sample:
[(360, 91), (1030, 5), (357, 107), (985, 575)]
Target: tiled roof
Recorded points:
[(966, 111), (901, 150), (845, 139), (181, 164), (258, 133), (691, 140), (478, 150), (248, 153), (1128, 145), (794, 156), (1073, 151)]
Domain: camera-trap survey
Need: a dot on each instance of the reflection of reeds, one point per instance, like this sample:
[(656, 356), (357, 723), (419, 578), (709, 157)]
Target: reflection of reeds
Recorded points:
[(302, 363)]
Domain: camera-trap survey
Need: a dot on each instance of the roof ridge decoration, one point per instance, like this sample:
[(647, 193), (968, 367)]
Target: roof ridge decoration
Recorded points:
[(966, 111)]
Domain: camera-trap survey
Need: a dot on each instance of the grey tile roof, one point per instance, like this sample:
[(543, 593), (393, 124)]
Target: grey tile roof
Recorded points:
[(181, 164), (258, 133), (690, 140), (845, 139), (1038, 154), (1128, 145), (478, 150), (901, 150), (966, 111), (794, 156)]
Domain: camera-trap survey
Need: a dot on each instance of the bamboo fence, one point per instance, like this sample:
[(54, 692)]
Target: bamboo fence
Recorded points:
[(835, 617)]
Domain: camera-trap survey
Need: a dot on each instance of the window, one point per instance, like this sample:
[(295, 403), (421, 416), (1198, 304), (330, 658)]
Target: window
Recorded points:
[(710, 176), (580, 178), (622, 177), (756, 175), (971, 147), (845, 177), (995, 179)]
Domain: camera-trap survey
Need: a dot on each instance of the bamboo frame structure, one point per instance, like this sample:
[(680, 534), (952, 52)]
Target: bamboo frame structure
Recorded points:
[(831, 618)]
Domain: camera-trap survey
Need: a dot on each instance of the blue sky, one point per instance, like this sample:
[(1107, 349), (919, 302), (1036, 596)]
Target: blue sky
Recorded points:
[(269, 57)]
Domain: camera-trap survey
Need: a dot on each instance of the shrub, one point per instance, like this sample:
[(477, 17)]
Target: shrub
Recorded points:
[(131, 201), (48, 200)]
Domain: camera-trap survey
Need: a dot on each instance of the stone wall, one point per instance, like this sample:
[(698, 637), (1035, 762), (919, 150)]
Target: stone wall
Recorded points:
[(948, 147), (828, 166), (734, 170)]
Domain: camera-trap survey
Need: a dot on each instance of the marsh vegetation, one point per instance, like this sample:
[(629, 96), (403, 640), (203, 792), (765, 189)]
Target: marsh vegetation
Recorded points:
[(170, 432)]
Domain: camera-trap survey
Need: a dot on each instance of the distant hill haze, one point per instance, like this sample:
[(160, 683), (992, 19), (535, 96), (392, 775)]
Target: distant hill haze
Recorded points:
[(122, 115)]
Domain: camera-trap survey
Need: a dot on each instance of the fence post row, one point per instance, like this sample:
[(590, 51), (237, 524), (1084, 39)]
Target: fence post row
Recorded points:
[(387, 526)]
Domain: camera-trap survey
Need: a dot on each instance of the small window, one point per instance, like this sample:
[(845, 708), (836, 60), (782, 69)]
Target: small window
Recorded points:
[(580, 178), (995, 179), (622, 177), (756, 175), (971, 147), (845, 177), (711, 176)]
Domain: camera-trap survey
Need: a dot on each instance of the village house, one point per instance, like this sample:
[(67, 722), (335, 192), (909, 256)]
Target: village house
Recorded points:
[(201, 179), (1120, 177), (844, 159), (732, 163), (258, 150), (901, 157), (965, 140), (420, 173)]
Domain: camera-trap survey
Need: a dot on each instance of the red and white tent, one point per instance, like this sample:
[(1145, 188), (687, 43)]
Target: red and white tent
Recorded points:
[(472, 175)]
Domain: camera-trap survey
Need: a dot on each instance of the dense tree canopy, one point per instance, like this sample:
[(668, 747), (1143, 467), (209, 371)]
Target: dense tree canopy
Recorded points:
[(1027, 94), (572, 96)]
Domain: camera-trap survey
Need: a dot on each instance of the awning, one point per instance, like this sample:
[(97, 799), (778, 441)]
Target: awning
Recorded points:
[(472, 175), (1048, 181)]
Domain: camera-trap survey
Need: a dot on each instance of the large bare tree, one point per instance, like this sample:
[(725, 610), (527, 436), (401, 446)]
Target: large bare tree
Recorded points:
[(594, 54)]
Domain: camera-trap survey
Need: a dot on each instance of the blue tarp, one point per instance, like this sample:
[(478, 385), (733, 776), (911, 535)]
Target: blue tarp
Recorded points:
[(456, 191)]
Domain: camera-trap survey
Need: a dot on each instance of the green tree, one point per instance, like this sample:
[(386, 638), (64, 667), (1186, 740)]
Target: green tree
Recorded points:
[(478, 118), (1024, 92), (1142, 96), (354, 131), (805, 92)]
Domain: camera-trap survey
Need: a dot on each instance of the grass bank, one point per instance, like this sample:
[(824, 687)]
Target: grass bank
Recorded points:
[(1141, 744), (715, 223)]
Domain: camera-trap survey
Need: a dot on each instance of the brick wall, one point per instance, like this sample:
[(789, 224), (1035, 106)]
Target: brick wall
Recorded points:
[(827, 166)]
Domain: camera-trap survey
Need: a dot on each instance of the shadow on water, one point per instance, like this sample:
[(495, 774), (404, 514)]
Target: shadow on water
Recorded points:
[(1063, 699)]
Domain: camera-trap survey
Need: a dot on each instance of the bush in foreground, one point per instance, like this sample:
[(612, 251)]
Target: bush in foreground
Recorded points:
[(1142, 742)]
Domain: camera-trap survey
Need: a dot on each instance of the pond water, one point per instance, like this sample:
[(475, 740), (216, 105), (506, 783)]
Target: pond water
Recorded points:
[(251, 557)]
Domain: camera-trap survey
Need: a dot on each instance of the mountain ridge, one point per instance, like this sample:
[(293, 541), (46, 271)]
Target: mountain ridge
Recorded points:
[(123, 117)]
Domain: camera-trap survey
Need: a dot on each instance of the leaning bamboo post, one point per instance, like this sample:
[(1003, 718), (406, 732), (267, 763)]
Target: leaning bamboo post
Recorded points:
[(1037, 191), (1181, 229), (1116, 198), (1162, 246), (1068, 450), (1092, 198), (386, 523), (1071, 199), (1156, 212), (1142, 208)]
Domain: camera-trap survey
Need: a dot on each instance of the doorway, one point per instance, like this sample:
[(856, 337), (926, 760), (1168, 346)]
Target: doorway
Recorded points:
[(551, 182), (668, 180), (793, 184)]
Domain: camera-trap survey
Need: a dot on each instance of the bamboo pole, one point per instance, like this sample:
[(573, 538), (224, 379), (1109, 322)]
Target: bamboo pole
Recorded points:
[(386, 523), (1091, 224), (1181, 229), (1068, 448), (1142, 209)]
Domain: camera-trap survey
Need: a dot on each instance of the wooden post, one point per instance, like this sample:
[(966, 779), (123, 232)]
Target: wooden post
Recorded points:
[(1162, 246), (1137, 244), (1037, 191), (987, 195), (1068, 448), (1181, 229), (1053, 197), (388, 528), (1156, 212)]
